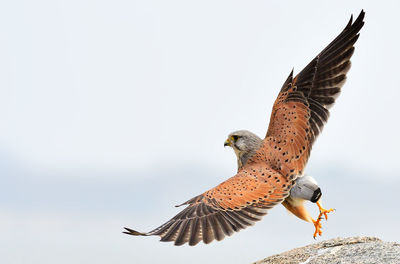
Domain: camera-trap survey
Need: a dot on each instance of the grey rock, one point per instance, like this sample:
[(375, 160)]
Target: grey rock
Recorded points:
[(360, 250)]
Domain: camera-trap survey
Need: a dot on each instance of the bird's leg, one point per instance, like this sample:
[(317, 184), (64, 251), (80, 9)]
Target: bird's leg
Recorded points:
[(323, 211), (318, 227), (317, 223)]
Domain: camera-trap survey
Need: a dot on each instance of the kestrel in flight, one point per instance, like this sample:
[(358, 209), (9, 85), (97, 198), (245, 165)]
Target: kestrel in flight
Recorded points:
[(265, 180)]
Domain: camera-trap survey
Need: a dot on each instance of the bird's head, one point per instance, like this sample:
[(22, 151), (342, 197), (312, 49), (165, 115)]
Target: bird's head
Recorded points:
[(244, 143)]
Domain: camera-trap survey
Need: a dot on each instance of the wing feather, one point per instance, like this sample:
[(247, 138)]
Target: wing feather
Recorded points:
[(301, 109), (208, 217)]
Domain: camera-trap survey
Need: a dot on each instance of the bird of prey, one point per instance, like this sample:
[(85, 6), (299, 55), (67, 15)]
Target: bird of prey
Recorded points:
[(265, 180), (245, 144)]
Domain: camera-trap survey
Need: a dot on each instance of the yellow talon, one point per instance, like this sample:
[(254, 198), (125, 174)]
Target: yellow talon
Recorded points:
[(323, 211), (317, 223), (318, 226)]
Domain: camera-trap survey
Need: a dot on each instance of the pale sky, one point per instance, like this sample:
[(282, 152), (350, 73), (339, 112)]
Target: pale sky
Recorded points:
[(114, 111)]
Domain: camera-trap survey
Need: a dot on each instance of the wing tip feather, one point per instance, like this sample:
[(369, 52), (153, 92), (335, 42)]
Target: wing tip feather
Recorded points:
[(133, 232)]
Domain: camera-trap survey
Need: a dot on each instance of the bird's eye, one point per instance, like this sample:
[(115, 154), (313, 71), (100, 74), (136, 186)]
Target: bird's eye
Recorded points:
[(234, 137)]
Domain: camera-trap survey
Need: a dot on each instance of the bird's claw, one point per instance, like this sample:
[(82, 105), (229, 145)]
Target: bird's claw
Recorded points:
[(317, 223), (323, 211), (318, 227)]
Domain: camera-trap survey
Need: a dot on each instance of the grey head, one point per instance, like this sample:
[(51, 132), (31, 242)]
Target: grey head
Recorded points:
[(244, 143)]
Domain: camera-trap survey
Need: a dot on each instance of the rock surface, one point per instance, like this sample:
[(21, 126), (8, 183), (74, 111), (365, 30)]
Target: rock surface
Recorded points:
[(360, 250)]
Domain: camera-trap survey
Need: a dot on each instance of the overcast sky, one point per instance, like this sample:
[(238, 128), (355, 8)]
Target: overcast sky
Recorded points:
[(114, 111)]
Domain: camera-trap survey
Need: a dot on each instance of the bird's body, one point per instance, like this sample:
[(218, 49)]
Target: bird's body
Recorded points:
[(245, 143), (265, 180)]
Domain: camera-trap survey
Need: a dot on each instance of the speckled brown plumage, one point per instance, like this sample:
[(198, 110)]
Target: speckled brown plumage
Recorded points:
[(298, 116)]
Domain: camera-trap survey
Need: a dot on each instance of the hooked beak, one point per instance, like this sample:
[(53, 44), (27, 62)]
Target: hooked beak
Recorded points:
[(227, 143)]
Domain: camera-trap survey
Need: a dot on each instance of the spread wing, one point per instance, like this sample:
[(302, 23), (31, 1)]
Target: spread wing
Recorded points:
[(301, 109), (229, 207)]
